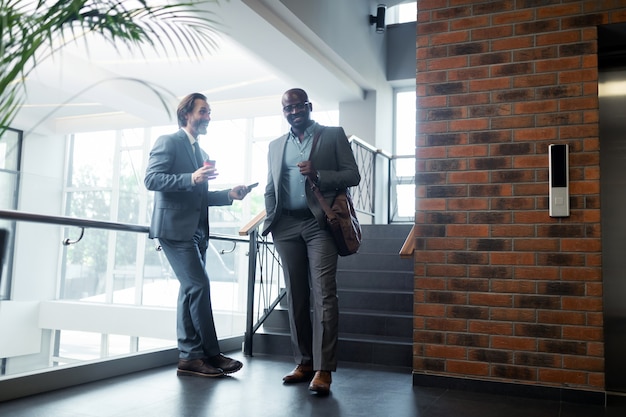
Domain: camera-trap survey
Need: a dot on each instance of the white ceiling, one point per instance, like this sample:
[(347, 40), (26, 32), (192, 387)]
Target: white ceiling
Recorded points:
[(86, 85)]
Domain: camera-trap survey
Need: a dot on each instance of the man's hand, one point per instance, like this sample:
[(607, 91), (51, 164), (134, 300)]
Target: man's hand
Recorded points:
[(238, 192), (307, 169), (204, 174)]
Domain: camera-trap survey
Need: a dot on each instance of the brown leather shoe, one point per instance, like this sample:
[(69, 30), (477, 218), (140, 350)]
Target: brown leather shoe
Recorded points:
[(228, 365), (197, 367), (302, 373), (321, 382)]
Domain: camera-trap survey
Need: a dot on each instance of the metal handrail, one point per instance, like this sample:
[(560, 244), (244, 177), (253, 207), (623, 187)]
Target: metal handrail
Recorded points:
[(71, 221)]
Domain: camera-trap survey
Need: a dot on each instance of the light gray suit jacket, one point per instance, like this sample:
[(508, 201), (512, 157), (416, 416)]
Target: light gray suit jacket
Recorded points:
[(332, 158), (178, 203)]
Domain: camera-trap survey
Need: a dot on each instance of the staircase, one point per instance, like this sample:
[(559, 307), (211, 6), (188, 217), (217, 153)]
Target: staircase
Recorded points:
[(375, 289)]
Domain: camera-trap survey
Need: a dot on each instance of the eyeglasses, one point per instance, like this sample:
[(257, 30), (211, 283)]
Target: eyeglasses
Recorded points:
[(298, 107)]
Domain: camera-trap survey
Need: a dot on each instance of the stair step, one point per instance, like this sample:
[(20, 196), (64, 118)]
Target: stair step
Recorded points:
[(382, 339), (281, 311), (377, 325), (272, 343), (375, 262), (370, 323), (350, 348), (380, 352), (375, 299), (383, 313), (395, 231), (346, 336), (277, 321), (389, 246), (375, 280)]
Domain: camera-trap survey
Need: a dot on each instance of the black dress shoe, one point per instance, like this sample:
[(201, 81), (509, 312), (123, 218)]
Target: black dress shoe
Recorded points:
[(197, 367), (302, 373), (226, 364)]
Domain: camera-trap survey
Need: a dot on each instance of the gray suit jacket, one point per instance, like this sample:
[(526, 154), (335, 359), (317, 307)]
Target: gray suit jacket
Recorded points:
[(333, 159), (178, 203)]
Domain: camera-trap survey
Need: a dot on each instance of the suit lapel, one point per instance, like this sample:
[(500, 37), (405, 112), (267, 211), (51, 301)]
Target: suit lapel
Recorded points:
[(280, 154), (316, 144), (184, 141)]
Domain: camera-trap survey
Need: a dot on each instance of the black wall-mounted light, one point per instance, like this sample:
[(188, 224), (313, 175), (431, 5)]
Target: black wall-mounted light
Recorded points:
[(379, 19)]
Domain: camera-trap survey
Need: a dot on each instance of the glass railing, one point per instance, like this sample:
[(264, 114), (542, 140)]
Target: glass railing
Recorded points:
[(73, 302)]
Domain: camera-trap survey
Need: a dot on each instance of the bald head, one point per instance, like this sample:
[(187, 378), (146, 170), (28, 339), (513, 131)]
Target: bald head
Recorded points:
[(297, 93)]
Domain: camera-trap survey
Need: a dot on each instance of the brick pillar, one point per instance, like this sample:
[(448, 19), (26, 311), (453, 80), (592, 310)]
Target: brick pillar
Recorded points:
[(503, 292)]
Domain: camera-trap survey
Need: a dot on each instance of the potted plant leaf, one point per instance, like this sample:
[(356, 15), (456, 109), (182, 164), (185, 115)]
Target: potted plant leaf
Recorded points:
[(32, 31)]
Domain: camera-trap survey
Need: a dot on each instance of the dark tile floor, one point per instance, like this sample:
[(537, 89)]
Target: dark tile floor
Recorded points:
[(257, 391)]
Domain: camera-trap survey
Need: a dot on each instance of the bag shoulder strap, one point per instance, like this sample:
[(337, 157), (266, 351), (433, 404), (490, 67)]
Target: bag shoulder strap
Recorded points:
[(329, 212)]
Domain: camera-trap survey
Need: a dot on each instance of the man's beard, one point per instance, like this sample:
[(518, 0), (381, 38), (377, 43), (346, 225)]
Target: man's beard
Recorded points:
[(201, 127)]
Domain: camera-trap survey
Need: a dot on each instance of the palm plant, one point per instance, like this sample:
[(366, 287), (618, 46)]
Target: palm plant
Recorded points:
[(31, 31)]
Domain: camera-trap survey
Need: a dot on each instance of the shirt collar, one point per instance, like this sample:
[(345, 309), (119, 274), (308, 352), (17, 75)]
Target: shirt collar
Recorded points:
[(308, 132), (192, 140)]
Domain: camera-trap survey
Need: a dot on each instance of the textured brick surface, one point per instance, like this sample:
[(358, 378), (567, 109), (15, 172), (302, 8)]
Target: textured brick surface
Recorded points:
[(504, 292)]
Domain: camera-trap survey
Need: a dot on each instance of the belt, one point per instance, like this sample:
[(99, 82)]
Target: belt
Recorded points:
[(299, 214)]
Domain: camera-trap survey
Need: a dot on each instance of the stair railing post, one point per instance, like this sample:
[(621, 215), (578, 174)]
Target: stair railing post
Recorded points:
[(252, 257)]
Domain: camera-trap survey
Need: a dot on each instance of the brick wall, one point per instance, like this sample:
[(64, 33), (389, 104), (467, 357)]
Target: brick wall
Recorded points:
[(503, 292)]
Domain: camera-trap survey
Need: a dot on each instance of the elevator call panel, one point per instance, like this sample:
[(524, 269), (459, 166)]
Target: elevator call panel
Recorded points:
[(559, 180)]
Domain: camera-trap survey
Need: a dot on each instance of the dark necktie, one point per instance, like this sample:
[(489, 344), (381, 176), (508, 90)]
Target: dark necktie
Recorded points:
[(203, 220), (198, 154)]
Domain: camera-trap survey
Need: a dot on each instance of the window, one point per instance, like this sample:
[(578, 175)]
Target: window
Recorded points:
[(405, 123), (402, 13), (403, 166), (105, 172)]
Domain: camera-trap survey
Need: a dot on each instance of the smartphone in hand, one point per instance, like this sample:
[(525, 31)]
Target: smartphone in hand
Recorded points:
[(251, 186)]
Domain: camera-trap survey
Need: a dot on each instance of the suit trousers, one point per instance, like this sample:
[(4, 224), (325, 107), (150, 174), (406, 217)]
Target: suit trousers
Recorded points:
[(309, 260), (195, 325)]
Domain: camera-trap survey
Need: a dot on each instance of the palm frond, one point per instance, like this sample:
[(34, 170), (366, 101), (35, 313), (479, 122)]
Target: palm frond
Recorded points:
[(32, 31)]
